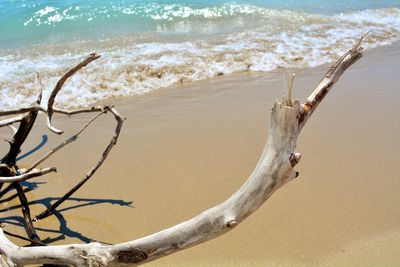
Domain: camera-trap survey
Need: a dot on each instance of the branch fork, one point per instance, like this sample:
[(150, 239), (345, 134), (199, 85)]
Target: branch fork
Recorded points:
[(274, 169)]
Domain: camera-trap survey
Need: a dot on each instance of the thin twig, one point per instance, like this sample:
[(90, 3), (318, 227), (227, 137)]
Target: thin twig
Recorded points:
[(49, 211), (27, 175), (35, 242), (55, 110), (66, 142), (39, 98), (30, 230), (78, 111), (22, 110), (10, 121), (330, 78), (357, 45), (58, 87)]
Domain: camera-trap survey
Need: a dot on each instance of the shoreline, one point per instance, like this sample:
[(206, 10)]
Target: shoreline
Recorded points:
[(183, 150), (278, 73)]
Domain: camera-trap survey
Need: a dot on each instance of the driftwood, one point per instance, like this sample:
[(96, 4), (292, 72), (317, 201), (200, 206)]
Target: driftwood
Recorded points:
[(274, 169)]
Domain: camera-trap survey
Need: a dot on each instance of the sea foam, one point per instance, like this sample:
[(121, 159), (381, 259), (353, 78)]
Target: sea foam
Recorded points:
[(132, 64)]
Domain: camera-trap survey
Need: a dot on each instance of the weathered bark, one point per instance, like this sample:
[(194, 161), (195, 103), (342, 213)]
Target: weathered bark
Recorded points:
[(274, 169)]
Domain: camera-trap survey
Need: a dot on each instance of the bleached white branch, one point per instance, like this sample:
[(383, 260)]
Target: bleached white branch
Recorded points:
[(28, 175), (10, 121), (274, 169), (22, 110)]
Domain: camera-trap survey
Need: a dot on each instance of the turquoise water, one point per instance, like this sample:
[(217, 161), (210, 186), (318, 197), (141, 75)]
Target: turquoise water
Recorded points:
[(26, 22), (147, 45)]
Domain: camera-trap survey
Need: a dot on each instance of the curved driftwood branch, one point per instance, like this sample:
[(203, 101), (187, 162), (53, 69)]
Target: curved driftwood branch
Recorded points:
[(274, 169), (58, 87), (8, 168)]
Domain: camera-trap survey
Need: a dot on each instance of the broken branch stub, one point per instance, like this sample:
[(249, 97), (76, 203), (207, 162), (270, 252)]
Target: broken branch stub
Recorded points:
[(274, 169)]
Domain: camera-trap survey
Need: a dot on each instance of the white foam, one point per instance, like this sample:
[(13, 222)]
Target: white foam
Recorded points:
[(129, 67)]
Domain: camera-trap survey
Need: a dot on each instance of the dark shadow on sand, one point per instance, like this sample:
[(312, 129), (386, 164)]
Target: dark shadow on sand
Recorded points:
[(63, 231)]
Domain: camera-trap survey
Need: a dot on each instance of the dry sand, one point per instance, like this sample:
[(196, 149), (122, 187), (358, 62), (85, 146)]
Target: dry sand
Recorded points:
[(185, 149)]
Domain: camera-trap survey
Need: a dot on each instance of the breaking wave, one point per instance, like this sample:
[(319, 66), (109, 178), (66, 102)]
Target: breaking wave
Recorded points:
[(186, 44)]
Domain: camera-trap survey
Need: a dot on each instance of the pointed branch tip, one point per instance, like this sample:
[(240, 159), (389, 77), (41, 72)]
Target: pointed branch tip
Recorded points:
[(291, 79), (51, 127), (357, 45)]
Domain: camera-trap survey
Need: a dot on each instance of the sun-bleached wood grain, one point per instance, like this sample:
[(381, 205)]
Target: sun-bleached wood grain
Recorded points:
[(274, 169)]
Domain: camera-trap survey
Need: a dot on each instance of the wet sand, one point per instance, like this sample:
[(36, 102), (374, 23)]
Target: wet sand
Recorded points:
[(187, 148)]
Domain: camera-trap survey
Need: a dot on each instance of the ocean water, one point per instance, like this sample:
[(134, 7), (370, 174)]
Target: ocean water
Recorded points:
[(147, 45)]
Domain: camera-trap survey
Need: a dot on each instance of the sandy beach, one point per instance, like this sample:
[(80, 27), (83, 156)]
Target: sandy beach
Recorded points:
[(187, 148)]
